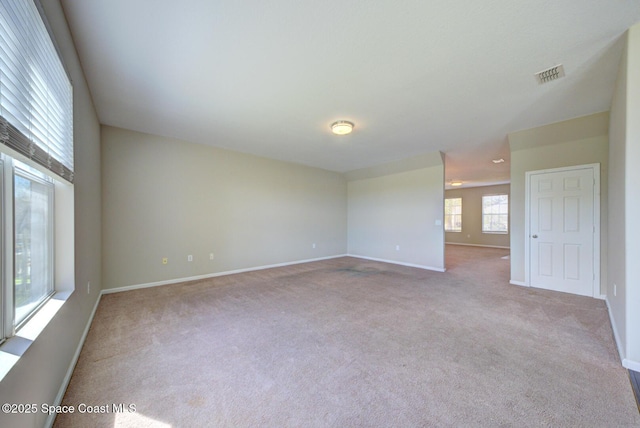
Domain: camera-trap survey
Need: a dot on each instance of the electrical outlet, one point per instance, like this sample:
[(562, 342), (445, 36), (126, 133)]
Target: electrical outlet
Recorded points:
[(189, 258), (210, 256), (88, 287), (165, 260), (397, 247), (615, 290), (313, 245)]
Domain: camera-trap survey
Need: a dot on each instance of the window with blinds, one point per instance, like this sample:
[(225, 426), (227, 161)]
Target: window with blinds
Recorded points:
[(36, 99), (36, 166)]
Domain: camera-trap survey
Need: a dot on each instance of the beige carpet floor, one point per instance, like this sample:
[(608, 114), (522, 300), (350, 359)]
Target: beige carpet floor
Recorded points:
[(353, 343)]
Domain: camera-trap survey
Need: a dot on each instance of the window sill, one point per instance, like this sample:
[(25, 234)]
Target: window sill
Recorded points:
[(16, 346), (496, 233)]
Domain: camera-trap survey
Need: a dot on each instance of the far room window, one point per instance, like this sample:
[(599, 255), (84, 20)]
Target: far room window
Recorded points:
[(495, 214), (453, 215)]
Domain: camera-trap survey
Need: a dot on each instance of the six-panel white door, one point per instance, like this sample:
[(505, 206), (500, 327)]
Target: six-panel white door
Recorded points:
[(561, 231)]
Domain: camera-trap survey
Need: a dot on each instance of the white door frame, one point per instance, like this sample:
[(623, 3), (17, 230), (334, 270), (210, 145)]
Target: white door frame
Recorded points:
[(596, 222)]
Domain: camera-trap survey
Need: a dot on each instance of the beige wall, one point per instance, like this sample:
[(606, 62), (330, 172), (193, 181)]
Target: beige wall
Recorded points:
[(579, 141), (624, 230), (398, 209), (633, 200), (39, 374), (472, 217), (169, 198), (617, 206)]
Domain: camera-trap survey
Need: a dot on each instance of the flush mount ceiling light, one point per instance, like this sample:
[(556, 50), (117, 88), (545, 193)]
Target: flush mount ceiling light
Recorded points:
[(498, 160), (342, 127), (456, 183)]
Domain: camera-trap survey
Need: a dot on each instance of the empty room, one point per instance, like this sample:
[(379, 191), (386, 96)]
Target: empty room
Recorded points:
[(323, 214)]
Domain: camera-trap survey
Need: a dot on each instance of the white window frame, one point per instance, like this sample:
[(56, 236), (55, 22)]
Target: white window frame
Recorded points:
[(452, 216), (16, 339), (490, 231), (46, 181)]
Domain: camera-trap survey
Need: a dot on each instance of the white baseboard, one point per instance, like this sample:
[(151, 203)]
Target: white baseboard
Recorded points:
[(398, 263), (212, 275), (67, 378), (520, 283), (631, 365), (478, 245), (616, 337)]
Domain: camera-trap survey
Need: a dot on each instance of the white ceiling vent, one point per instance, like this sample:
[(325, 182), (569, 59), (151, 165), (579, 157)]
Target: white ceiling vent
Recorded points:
[(550, 74)]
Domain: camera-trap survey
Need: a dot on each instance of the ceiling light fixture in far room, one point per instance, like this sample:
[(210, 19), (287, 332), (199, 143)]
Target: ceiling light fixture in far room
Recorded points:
[(342, 127), (498, 160), (456, 183)]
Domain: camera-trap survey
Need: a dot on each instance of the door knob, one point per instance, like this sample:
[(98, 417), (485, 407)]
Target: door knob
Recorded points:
[(534, 236)]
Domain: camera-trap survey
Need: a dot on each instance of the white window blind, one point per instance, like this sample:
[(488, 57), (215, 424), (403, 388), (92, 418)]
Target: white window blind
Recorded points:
[(36, 100)]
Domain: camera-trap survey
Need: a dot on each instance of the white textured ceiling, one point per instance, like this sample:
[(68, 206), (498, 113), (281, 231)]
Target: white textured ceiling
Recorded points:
[(269, 77)]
